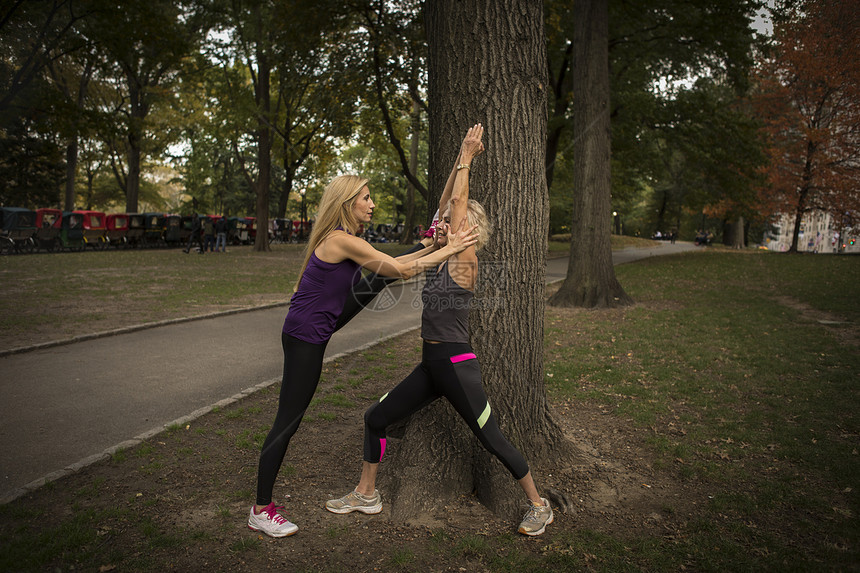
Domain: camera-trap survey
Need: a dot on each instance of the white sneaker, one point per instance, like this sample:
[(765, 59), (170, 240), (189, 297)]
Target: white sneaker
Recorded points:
[(270, 522)]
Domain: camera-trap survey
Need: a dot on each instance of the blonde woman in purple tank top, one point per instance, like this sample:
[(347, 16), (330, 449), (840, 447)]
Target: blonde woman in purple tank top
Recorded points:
[(331, 267)]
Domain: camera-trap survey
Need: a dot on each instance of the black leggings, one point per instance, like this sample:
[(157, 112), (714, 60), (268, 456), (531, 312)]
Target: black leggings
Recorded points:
[(302, 368), (450, 370)]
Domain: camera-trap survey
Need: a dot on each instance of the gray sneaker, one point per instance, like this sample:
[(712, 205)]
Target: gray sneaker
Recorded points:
[(354, 501), (536, 519)]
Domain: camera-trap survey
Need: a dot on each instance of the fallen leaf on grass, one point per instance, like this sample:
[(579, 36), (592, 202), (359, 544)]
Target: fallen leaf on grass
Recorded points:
[(843, 512)]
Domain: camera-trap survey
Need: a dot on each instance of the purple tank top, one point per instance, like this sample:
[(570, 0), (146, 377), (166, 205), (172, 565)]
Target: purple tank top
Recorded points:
[(318, 302)]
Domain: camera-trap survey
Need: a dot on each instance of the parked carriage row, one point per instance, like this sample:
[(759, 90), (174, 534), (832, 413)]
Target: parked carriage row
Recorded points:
[(26, 230)]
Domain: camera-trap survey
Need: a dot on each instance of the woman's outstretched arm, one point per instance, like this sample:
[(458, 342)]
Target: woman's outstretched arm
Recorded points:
[(340, 246)]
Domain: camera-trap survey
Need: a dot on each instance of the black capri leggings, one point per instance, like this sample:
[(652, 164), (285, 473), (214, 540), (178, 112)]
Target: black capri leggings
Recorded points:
[(450, 370), (302, 368)]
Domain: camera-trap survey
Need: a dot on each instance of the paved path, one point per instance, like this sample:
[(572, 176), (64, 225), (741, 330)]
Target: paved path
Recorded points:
[(67, 406)]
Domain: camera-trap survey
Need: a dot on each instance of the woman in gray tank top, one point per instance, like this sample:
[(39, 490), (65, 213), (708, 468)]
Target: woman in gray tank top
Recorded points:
[(448, 367)]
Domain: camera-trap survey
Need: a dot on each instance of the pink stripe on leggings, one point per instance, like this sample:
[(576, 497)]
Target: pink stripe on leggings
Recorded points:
[(462, 357), (381, 448)]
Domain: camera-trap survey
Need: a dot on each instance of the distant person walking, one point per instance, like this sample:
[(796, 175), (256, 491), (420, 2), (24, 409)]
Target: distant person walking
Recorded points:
[(221, 235), (195, 234), (208, 235)]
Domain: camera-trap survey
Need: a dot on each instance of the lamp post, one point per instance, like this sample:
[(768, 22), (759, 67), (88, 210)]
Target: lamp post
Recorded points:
[(302, 216), (617, 218)]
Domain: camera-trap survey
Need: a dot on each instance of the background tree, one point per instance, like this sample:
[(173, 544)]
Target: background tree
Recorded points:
[(483, 70), (695, 171), (559, 21), (288, 73), (677, 70), (590, 280), (218, 102), (346, 74), (809, 99), (145, 43), (72, 76), (657, 51), (317, 81), (35, 34), (35, 37), (31, 167), (252, 22), (395, 57)]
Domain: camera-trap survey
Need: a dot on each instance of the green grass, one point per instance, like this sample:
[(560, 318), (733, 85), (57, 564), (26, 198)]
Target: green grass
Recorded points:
[(723, 363), (53, 296)]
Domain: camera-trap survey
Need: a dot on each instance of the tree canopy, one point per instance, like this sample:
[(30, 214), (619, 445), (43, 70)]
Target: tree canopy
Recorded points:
[(236, 105), (808, 100)]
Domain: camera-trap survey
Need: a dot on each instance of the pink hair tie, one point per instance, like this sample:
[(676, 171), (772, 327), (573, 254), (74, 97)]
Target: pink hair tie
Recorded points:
[(429, 232)]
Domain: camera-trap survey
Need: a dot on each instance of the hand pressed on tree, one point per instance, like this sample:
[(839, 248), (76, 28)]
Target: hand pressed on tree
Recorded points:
[(472, 145)]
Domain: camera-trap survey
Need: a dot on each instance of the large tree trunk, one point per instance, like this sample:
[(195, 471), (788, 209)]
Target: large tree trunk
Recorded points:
[(590, 280), (487, 63)]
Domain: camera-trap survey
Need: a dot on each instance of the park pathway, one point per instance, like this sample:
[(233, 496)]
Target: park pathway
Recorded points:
[(67, 406)]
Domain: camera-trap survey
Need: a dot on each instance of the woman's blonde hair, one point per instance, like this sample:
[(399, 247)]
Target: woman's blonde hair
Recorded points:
[(335, 211), (476, 215)]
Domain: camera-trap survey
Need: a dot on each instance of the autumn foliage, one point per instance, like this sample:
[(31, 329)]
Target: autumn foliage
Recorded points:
[(808, 98)]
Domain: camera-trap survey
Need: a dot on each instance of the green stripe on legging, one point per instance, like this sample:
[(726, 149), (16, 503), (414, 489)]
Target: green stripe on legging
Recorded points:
[(384, 397), (485, 415)]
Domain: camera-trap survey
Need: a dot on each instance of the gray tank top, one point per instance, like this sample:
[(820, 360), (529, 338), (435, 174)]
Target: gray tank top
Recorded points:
[(446, 308)]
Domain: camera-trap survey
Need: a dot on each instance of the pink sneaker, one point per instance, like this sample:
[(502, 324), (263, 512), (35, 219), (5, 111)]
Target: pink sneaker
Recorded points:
[(270, 522)]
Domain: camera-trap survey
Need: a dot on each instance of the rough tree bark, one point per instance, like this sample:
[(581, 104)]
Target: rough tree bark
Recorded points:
[(487, 64), (590, 280)]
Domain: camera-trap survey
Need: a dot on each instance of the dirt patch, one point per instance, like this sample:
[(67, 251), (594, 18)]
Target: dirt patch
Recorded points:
[(616, 487), (846, 332), (180, 500)]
